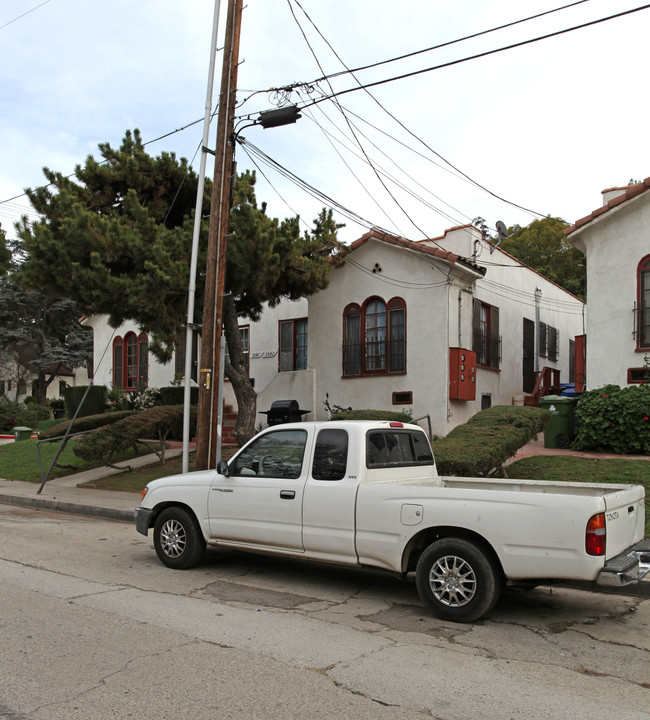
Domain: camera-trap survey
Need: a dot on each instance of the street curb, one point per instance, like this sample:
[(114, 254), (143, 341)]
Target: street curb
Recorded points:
[(71, 508)]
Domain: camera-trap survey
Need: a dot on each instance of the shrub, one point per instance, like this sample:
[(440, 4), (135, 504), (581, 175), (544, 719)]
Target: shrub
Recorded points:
[(14, 414), (137, 399), (175, 395), (152, 424), (614, 419), (92, 422), (94, 403), (373, 415), (488, 439)]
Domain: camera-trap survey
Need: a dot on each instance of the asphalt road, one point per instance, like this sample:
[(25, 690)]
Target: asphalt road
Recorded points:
[(94, 627)]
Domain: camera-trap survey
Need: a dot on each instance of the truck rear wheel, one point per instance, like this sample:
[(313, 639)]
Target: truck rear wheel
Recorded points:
[(177, 538), (457, 580)]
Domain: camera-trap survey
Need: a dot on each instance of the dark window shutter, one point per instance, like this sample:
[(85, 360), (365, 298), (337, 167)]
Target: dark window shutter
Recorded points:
[(494, 337)]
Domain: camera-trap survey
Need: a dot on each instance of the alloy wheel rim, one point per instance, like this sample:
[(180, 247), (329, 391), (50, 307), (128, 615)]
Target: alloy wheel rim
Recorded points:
[(453, 581), (173, 538)]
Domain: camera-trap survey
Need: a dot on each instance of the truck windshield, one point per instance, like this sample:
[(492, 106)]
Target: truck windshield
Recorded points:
[(397, 448)]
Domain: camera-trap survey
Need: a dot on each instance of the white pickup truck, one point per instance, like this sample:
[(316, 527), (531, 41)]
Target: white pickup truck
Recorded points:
[(368, 494)]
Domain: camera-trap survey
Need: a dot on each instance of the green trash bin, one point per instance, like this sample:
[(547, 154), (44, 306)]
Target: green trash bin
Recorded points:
[(560, 429), (22, 433)]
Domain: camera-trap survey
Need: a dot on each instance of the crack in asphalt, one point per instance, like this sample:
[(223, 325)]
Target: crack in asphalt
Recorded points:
[(103, 680)]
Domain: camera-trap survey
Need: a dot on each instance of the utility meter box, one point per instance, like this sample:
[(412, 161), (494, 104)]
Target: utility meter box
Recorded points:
[(462, 374)]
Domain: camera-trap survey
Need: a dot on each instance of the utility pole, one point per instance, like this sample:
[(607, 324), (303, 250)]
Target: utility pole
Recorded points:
[(198, 211), (207, 425)]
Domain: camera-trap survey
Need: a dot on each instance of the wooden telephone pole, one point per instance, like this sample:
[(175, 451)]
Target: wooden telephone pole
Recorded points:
[(207, 420)]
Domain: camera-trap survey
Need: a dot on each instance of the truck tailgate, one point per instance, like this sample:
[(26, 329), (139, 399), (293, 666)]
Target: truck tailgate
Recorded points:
[(624, 518)]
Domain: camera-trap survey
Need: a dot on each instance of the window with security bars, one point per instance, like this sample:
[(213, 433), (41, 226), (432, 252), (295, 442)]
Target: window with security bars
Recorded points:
[(131, 361), (642, 325), (293, 344), (486, 341), (548, 341), (374, 337)]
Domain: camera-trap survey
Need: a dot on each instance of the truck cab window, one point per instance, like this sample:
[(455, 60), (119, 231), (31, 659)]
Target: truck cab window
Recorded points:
[(330, 455), (275, 455), (397, 448)]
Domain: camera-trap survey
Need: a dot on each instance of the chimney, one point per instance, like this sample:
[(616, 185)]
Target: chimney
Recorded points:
[(614, 192)]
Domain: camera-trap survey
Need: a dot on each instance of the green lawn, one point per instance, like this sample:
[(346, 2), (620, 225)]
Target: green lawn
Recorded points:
[(136, 480), (19, 460), (573, 469)]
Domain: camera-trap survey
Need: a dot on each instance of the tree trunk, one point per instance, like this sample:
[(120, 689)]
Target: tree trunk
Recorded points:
[(41, 388), (235, 371), (42, 384)]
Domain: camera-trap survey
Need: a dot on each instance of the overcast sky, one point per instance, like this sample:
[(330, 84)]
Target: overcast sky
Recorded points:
[(545, 127)]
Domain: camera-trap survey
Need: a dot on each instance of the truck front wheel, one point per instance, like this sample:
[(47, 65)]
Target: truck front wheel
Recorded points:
[(457, 580), (177, 538)]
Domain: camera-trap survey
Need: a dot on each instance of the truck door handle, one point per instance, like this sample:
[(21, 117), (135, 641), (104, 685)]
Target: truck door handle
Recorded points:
[(287, 494)]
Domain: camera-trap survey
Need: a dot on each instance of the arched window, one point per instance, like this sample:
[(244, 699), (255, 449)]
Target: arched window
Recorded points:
[(376, 322), (374, 337), (131, 361), (643, 304), (352, 340)]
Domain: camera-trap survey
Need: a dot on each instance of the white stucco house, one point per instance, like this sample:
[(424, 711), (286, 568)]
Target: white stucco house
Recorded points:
[(17, 380), (615, 239), (441, 328)]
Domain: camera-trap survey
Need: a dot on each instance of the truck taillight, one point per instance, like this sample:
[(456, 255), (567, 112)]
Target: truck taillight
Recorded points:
[(595, 535)]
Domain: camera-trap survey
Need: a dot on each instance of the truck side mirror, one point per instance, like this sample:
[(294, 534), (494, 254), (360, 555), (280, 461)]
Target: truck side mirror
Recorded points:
[(222, 468)]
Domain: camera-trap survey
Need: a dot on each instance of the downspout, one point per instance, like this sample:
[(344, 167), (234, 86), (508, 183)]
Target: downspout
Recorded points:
[(447, 368), (538, 296)]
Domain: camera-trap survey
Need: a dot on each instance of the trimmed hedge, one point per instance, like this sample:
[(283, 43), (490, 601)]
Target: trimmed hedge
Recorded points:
[(614, 419), (92, 422), (94, 403), (373, 415), (175, 395), (156, 423), (488, 439)]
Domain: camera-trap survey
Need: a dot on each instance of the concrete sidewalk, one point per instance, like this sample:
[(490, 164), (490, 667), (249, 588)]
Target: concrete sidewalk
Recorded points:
[(67, 494)]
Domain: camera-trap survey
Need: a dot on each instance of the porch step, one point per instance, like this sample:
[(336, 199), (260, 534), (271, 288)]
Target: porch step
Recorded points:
[(229, 420)]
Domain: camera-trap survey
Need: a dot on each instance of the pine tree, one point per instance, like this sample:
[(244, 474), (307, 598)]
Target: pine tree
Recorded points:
[(117, 240), (41, 334)]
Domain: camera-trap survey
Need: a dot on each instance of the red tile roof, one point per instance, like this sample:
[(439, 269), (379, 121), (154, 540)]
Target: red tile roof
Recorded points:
[(452, 258), (627, 193)]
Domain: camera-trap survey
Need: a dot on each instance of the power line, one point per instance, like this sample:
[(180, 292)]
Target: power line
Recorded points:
[(365, 189), (480, 55), (444, 44), (356, 139), (251, 149), (74, 174), (403, 126), (448, 64), (2, 27), (392, 178), (404, 284)]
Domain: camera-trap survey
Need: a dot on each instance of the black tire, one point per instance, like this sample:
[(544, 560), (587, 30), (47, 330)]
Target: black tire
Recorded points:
[(457, 580), (177, 538)]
